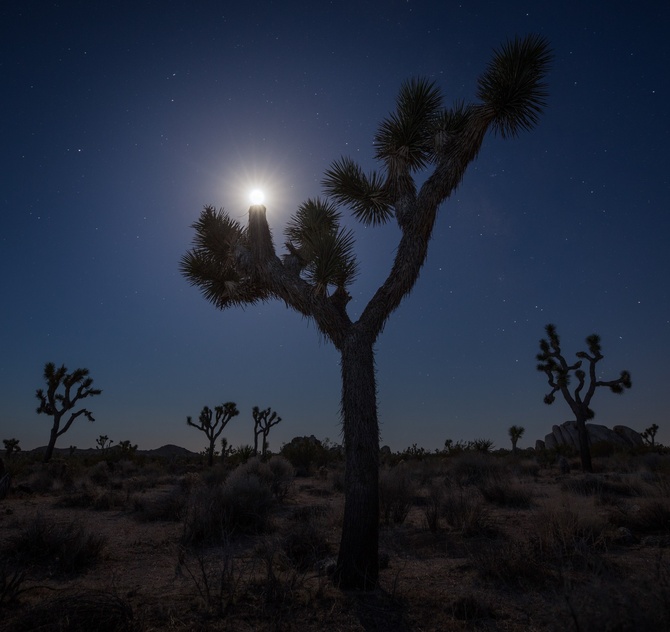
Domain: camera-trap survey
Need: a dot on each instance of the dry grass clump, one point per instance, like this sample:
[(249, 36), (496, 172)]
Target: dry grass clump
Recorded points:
[(60, 549), (169, 506), (506, 494), (602, 487), (475, 468), (241, 505), (396, 495), (11, 584), (650, 517), (514, 562), (80, 612), (465, 513), (305, 545)]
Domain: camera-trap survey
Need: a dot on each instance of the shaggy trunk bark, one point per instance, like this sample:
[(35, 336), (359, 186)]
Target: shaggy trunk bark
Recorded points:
[(584, 447), (358, 562), (52, 442), (50, 448)]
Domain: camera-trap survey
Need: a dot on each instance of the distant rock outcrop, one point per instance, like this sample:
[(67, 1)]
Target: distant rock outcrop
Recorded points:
[(566, 435)]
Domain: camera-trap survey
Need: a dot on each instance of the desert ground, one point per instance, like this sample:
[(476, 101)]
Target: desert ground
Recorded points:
[(468, 541)]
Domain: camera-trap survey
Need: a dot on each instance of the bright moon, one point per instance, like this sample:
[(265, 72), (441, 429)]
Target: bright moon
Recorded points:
[(256, 196)]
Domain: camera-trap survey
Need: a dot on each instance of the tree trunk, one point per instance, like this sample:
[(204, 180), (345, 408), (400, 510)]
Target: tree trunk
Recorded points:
[(584, 447), (52, 443), (358, 562)]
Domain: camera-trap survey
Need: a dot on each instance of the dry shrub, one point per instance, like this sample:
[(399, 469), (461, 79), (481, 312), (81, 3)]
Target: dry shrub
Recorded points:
[(99, 473), (306, 544), (475, 468), (471, 608), (283, 474), (82, 612), (467, 514), (651, 517), (167, 507), (396, 495), (65, 548), (241, 505), (505, 494), (11, 584), (510, 562), (568, 537), (601, 487)]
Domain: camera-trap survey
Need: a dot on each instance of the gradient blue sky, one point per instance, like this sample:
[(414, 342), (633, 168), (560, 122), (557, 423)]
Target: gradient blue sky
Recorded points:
[(121, 120)]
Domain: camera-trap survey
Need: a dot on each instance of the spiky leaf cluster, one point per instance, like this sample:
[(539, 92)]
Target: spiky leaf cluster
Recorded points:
[(212, 263), (512, 89), (404, 139), (324, 250), (366, 195)]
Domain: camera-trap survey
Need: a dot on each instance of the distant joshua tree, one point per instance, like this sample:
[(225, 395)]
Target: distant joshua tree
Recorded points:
[(558, 371), (11, 446), (649, 435), (103, 443), (127, 448), (423, 148), (515, 433), (263, 421), (222, 415), (76, 386)]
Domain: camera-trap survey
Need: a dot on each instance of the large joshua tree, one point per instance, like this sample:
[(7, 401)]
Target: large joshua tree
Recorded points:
[(559, 372), (421, 141)]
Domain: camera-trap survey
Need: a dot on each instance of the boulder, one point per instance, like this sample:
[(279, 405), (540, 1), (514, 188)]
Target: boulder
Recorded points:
[(628, 434), (566, 434)]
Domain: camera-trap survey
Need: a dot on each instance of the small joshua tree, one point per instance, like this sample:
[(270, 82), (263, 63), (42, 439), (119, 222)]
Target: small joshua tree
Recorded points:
[(103, 443), (515, 433), (263, 421), (559, 373), (127, 448), (76, 386), (11, 446), (222, 415), (649, 435)]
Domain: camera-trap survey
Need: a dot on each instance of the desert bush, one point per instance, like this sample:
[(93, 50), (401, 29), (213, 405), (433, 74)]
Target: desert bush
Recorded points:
[(651, 517), (528, 467), (81, 612), (590, 485), (306, 544), (474, 468), (169, 506), (396, 494), (433, 505), (510, 563), (85, 496), (471, 608), (218, 582), (283, 474), (66, 548), (467, 514), (40, 480), (99, 473), (306, 454), (505, 494), (569, 537), (11, 584), (241, 505)]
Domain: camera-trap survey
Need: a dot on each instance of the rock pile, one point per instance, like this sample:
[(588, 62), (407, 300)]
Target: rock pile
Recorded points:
[(566, 434)]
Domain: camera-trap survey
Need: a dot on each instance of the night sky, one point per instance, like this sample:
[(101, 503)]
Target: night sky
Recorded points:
[(121, 120)]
